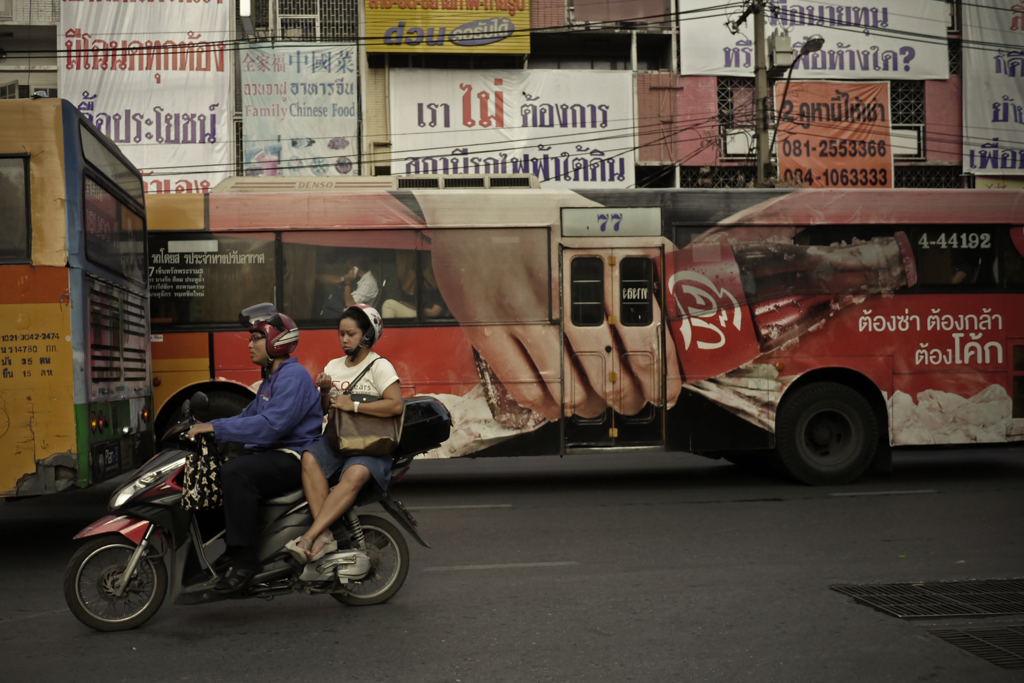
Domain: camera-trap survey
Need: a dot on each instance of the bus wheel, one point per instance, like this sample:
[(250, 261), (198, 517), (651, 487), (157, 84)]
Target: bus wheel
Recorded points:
[(826, 433)]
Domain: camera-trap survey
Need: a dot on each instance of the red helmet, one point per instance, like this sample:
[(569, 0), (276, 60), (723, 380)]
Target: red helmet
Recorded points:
[(281, 332), (376, 330)]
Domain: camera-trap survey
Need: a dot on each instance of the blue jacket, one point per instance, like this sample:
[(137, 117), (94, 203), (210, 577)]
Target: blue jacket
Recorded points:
[(286, 413)]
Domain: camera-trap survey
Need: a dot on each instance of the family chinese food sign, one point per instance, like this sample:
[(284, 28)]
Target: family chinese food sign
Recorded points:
[(467, 26), (835, 134)]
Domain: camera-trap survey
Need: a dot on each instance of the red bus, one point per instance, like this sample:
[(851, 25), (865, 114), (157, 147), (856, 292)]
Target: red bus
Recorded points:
[(820, 327)]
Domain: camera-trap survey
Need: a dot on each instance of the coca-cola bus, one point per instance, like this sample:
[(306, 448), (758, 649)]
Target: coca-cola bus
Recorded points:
[(818, 326)]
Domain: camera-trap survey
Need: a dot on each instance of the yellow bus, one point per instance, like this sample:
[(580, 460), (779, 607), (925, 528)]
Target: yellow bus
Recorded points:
[(76, 386)]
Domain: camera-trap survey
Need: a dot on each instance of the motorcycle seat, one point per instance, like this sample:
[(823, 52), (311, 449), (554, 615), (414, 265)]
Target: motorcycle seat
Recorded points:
[(287, 499)]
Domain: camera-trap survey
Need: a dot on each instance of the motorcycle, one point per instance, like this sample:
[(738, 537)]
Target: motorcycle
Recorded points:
[(119, 578)]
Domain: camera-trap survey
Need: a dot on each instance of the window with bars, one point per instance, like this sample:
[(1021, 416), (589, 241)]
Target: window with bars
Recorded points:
[(717, 176), (9, 91), (318, 19), (942, 177), (955, 51), (907, 102), (736, 116)]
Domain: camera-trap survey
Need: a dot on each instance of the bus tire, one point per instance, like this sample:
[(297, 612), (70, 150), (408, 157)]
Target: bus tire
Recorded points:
[(826, 434)]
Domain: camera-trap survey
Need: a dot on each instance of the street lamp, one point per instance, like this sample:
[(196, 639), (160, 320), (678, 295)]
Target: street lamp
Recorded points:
[(812, 44)]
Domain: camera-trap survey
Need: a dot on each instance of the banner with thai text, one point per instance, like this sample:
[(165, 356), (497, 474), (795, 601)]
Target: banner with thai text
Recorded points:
[(569, 128), (835, 134), (155, 78), (993, 49), (897, 39), (300, 109), (466, 26)]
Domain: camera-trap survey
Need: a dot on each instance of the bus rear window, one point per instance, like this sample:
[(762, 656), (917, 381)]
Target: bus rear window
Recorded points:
[(97, 154), (114, 234), (14, 202)]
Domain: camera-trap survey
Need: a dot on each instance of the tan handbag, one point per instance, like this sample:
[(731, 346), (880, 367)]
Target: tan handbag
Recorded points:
[(355, 434)]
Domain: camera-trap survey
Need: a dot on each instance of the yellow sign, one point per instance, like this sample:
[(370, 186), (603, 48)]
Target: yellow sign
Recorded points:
[(999, 183), (464, 26)]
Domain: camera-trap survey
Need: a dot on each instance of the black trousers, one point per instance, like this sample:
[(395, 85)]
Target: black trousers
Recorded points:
[(248, 478)]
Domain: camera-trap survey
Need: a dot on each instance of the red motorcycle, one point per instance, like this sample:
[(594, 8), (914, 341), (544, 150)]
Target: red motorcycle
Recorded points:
[(119, 578)]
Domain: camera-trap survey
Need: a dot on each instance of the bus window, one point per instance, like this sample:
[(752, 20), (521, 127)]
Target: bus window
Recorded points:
[(14, 203), (114, 234), (201, 278), (636, 289), (959, 257), (109, 165), (319, 265), (587, 304), (414, 294)]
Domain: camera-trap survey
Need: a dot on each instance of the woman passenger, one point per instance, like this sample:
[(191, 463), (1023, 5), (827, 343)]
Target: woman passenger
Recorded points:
[(360, 328)]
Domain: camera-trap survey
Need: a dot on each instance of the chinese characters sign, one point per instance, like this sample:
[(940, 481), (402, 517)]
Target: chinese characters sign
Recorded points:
[(155, 78), (467, 26), (994, 88), (300, 110), (899, 39), (569, 128), (835, 134)]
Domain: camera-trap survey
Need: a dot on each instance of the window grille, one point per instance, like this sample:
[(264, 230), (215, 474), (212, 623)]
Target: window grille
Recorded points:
[(907, 102), (955, 54), (736, 117), (318, 19), (717, 176), (947, 177)]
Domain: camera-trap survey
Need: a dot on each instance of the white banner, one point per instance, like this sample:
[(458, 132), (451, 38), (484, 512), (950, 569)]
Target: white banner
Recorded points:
[(155, 78), (900, 39), (300, 111), (993, 45), (572, 129)]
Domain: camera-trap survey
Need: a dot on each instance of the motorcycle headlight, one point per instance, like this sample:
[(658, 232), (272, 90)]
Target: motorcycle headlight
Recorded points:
[(147, 480)]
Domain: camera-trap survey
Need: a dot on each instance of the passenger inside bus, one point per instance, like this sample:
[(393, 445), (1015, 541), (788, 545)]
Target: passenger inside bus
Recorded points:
[(356, 286), (405, 305)]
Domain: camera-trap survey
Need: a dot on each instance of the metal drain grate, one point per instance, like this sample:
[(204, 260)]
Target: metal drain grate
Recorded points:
[(1003, 646), (941, 599)]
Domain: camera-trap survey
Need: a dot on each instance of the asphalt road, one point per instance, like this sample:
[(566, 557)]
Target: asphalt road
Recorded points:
[(627, 567)]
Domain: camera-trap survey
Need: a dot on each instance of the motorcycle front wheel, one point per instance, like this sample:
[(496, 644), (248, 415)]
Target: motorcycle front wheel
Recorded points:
[(389, 565), (90, 585)]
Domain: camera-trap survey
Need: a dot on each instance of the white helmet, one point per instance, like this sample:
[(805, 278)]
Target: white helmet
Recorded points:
[(376, 330)]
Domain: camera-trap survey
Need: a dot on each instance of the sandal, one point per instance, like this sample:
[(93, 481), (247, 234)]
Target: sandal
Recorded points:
[(329, 546), (301, 554)]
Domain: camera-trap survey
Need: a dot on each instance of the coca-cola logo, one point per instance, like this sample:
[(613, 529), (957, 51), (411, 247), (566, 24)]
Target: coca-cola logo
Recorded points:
[(704, 306)]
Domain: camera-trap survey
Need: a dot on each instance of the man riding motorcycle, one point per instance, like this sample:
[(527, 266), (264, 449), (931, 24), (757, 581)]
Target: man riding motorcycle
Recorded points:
[(276, 427)]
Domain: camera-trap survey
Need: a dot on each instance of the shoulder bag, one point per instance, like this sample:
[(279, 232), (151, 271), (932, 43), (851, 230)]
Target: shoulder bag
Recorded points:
[(356, 434)]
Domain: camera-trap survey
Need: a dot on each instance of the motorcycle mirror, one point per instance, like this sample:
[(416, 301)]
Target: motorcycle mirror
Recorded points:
[(200, 402), (185, 409)]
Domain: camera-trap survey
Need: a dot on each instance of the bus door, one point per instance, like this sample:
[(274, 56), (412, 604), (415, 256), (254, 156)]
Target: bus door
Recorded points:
[(613, 333)]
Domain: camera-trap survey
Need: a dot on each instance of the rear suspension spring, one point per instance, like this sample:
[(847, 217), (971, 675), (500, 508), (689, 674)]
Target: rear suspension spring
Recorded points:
[(355, 529)]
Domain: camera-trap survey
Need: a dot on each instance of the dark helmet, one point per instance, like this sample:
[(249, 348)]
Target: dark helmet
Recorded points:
[(376, 330), (281, 332)]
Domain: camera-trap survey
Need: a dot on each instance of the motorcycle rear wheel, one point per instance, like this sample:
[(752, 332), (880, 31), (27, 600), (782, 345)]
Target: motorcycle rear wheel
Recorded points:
[(389, 565), (89, 585)]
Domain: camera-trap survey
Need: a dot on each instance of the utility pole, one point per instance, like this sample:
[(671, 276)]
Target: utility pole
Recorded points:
[(760, 93), (756, 8)]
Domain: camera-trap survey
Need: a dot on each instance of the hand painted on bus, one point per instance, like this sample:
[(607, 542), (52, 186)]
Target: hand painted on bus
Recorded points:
[(498, 285)]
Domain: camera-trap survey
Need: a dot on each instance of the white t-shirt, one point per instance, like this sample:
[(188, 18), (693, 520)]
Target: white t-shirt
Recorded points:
[(365, 292), (380, 377)]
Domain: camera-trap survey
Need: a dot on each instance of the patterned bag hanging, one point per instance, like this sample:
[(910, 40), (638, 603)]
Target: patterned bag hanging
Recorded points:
[(202, 488)]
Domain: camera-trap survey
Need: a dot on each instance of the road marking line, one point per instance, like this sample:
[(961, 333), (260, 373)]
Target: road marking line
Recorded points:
[(881, 493), (523, 565), (460, 507), (32, 616)]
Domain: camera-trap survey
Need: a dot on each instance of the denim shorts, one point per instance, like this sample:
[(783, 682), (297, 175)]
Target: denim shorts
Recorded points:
[(331, 462)]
